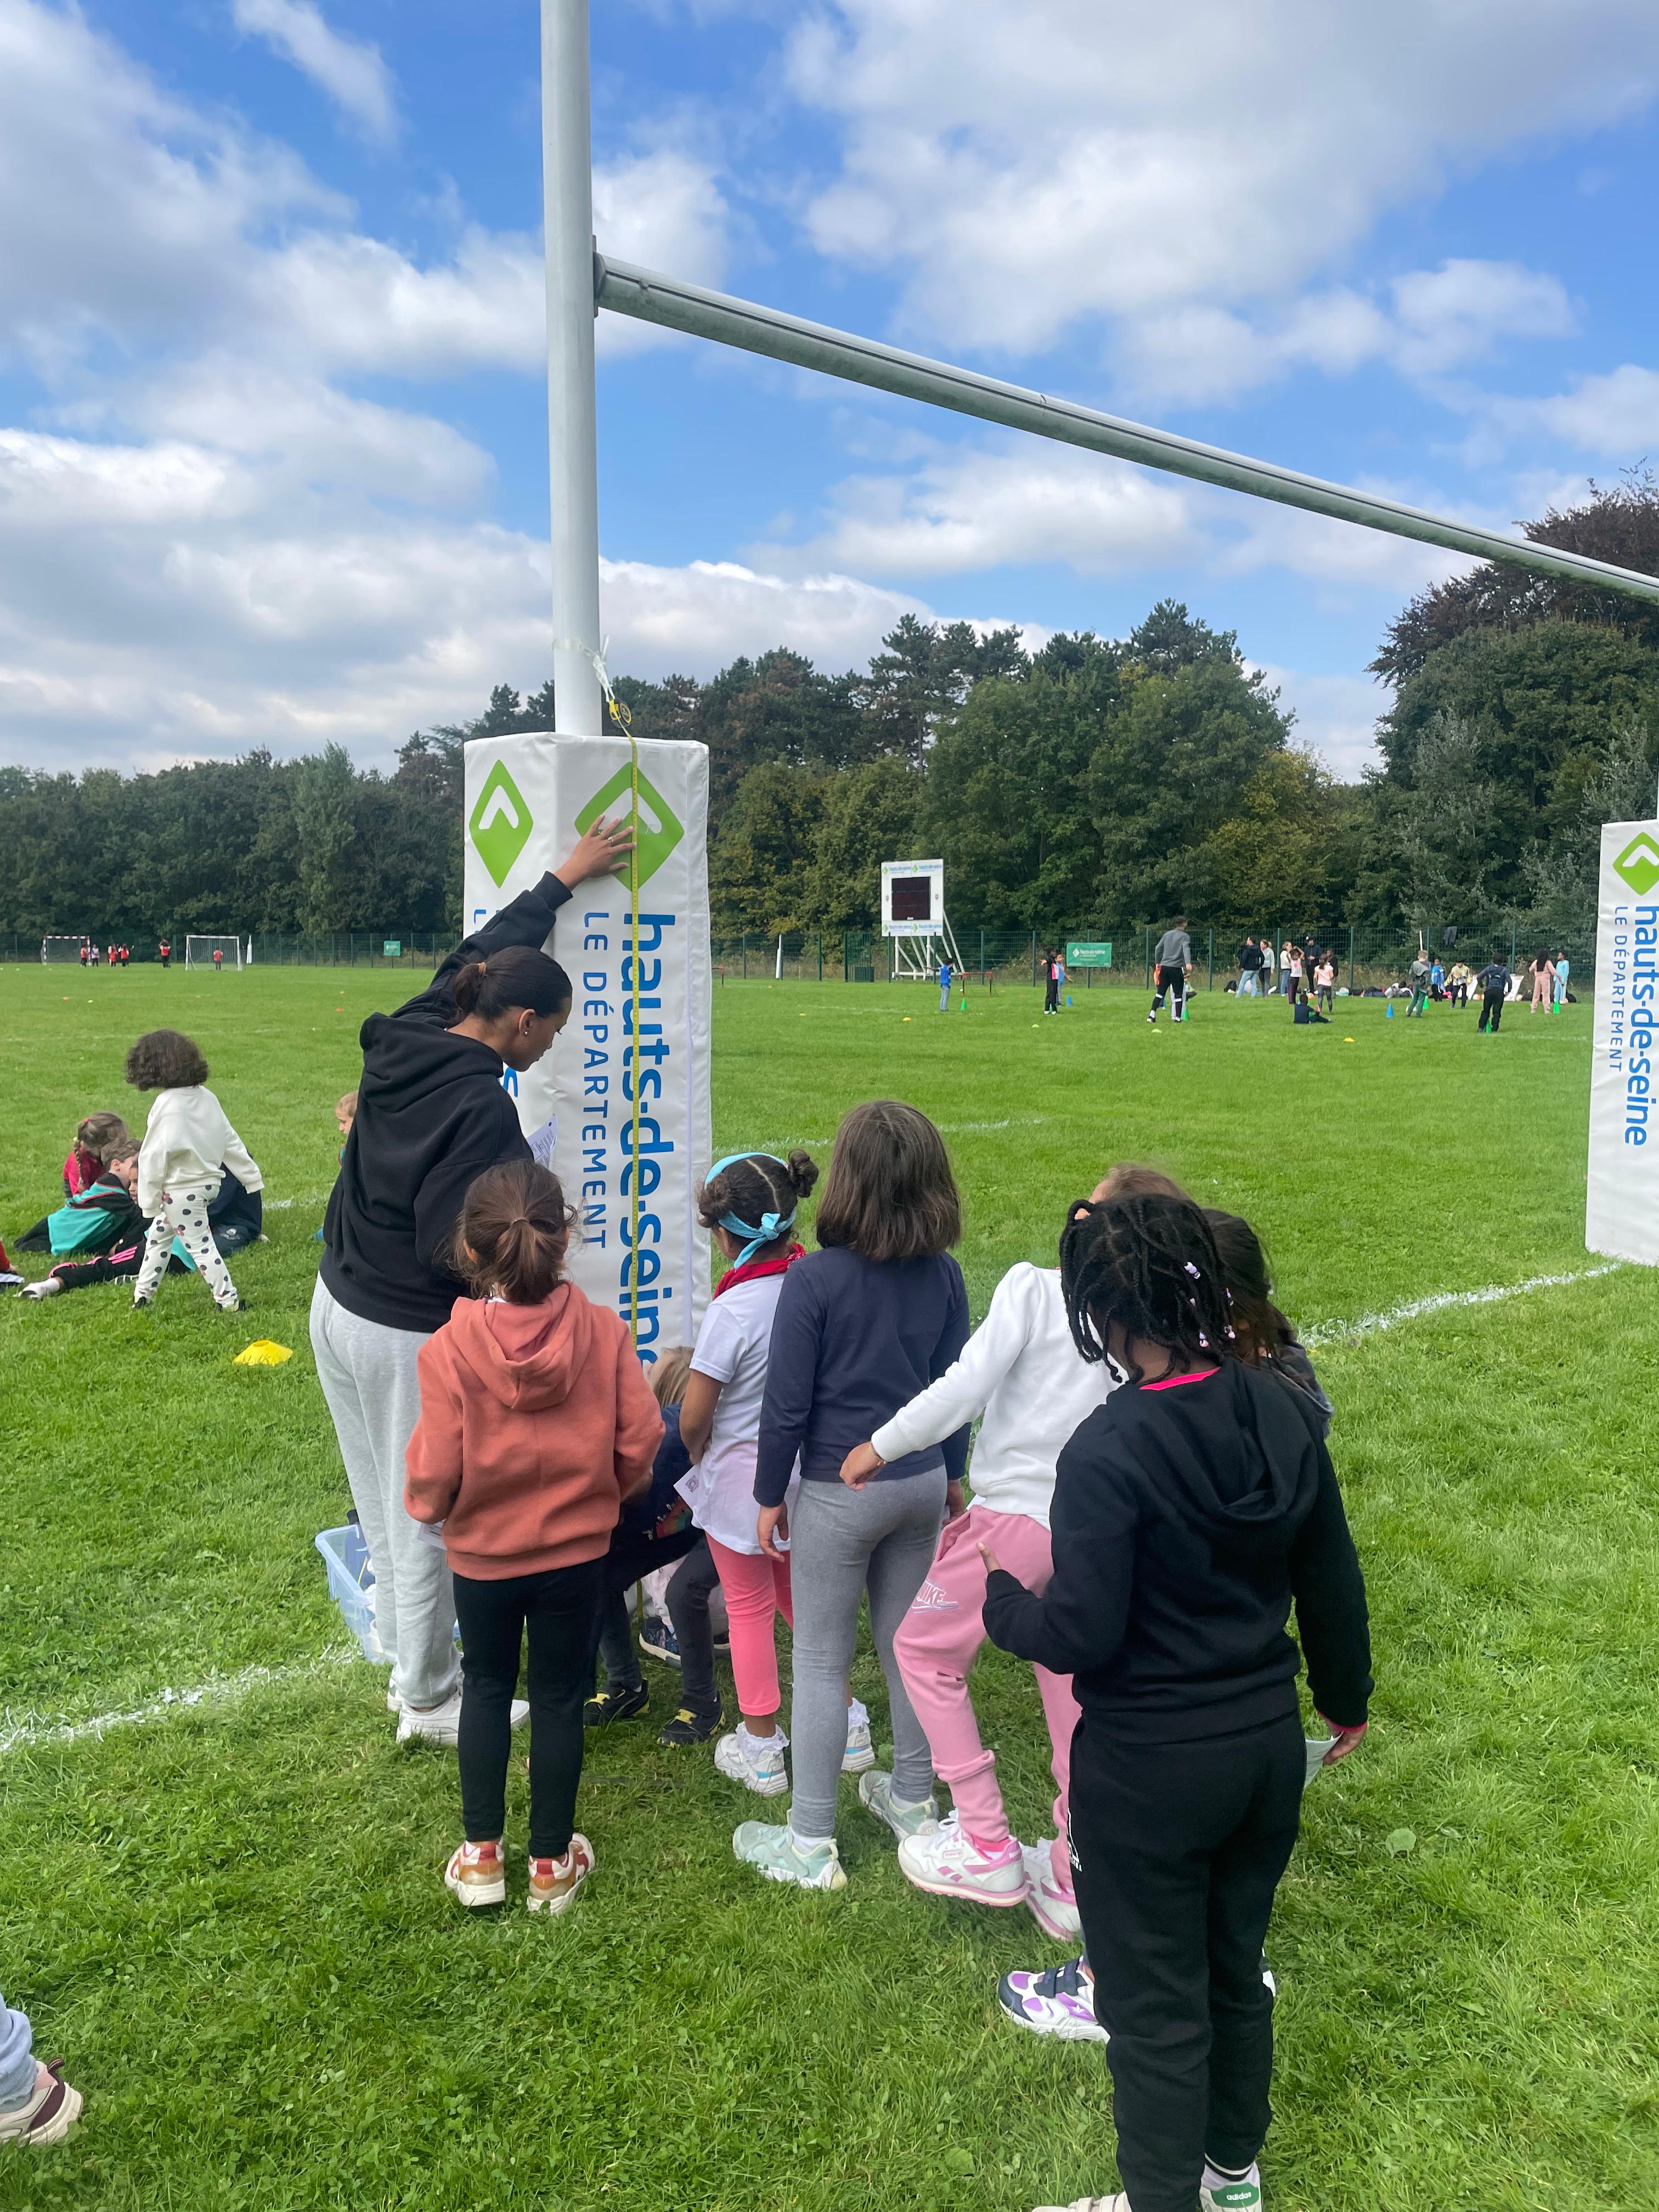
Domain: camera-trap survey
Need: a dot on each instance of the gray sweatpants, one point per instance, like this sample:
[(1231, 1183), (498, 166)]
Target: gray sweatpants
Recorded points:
[(843, 1542), (368, 1377)]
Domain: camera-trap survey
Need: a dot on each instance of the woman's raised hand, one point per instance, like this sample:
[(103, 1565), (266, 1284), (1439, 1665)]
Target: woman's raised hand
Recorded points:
[(602, 851)]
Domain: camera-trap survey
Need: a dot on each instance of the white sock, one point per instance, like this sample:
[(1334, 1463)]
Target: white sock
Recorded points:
[(857, 1716), (1222, 2177), (807, 1844), (762, 1742)]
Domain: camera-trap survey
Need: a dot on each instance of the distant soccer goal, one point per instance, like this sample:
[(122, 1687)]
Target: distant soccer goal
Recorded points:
[(61, 948), (199, 951)]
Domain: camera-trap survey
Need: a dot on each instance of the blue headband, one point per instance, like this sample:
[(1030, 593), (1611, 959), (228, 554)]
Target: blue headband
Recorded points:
[(772, 1225)]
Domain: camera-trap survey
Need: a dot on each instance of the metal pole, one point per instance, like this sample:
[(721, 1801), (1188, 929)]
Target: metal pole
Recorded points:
[(572, 453), (652, 298)]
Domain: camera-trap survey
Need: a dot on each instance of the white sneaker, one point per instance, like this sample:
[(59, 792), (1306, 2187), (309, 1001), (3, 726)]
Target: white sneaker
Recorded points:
[(47, 2113), (945, 1861), (859, 1755), (758, 1766), (442, 1723), (1242, 2195), (1053, 1908), (1117, 2202), (475, 1874)]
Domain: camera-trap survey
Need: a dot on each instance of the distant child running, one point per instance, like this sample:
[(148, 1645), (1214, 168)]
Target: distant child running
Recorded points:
[(1494, 981), (188, 1145), (1191, 1512), (862, 1325), (1173, 962), (537, 1424), (747, 1204)]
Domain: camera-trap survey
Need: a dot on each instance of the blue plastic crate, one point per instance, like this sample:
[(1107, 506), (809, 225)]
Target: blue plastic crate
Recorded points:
[(351, 1584)]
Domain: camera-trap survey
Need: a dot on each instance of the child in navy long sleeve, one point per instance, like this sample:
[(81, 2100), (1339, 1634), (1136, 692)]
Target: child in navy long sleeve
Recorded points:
[(861, 1325)]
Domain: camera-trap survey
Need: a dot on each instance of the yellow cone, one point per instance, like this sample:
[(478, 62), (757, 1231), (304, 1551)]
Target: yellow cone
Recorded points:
[(261, 1353)]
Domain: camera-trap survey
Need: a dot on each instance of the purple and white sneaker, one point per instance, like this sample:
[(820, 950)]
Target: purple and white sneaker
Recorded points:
[(1060, 2002)]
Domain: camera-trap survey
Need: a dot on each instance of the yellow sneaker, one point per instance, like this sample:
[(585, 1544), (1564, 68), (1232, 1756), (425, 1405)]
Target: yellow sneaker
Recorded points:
[(476, 1875), (553, 1882)]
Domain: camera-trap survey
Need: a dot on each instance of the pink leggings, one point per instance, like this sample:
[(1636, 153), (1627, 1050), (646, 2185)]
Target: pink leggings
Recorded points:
[(756, 1591), (936, 1644)]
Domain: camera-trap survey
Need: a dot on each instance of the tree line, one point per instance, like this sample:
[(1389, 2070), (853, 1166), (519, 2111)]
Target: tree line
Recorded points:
[(1097, 782)]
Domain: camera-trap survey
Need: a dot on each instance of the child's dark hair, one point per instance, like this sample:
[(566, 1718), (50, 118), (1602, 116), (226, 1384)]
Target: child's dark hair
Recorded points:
[(1258, 1322), (516, 976), (1149, 1262), (746, 1190), (889, 1193), (514, 1233), (99, 1134), (672, 1376), (162, 1060)]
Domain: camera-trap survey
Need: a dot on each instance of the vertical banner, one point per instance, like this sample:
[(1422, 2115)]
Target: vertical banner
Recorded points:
[(1621, 1210), (528, 800)]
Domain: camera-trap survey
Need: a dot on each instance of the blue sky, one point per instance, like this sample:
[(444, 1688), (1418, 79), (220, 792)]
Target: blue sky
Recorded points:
[(272, 442)]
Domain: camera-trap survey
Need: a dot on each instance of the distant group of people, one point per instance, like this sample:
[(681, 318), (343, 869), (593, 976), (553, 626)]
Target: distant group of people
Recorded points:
[(114, 956)]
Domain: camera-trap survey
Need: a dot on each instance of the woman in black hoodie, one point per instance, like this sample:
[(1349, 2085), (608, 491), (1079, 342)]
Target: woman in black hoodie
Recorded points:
[(1191, 1510), (431, 1116)]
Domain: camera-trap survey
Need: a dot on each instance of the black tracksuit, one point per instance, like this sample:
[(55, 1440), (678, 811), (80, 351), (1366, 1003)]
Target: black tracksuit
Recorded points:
[(431, 1117), (1494, 981), (1188, 1516)]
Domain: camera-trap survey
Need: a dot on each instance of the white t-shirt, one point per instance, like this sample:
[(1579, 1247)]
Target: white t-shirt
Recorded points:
[(731, 1350), (1023, 1373)]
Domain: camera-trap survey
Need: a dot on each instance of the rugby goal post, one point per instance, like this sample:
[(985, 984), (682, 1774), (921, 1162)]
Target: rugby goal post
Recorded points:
[(199, 951), (62, 948)]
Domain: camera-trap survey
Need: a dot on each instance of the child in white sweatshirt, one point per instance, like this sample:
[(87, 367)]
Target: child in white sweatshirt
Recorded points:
[(188, 1144), (1021, 1371)]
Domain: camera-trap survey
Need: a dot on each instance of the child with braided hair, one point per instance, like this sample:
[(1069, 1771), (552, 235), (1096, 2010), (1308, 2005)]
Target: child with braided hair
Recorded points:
[(1191, 1511)]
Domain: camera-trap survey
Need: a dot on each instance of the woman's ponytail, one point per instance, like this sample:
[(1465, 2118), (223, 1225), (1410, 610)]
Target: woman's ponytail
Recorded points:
[(517, 976)]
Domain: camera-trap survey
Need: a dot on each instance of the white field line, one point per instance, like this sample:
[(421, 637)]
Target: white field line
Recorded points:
[(31, 1733), (1337, 1332), (222, 1690)]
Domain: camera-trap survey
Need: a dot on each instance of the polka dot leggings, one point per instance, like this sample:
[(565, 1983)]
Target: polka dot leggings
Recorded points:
[(183, 1214)]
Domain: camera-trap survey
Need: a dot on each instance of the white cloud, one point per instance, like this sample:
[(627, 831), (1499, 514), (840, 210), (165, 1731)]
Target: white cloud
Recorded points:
[(1022, 164), (1335, 716), (980, 508), (353, 76), (176, 601), (1614, 416), (1428, 323)]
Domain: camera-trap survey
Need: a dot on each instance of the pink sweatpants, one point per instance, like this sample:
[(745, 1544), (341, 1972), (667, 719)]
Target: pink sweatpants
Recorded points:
[(936, 1644), (757, 1592)]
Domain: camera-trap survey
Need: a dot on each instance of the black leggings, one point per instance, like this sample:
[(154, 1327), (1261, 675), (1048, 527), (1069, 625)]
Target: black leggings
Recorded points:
[(695, 1582), (1491, 1010), (557, 1608), (1178, 1849)]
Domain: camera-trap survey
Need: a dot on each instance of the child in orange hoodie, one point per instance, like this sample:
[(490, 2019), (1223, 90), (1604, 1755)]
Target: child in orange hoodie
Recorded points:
[(537, 1423)]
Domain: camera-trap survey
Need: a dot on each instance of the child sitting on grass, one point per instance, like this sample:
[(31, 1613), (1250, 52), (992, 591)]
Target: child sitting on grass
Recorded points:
[(537, 1425), (92, 1150), (188, 1144), (102, 1233)]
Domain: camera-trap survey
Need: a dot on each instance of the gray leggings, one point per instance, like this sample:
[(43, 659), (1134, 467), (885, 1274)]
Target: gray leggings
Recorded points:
[(843, 1541)]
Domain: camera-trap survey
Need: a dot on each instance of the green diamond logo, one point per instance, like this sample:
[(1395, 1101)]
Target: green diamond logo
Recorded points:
[(500, 823), (657, 830), (1638, 864)]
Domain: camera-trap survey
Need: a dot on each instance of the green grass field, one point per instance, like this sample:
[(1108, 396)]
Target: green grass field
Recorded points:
[(229, 1917)]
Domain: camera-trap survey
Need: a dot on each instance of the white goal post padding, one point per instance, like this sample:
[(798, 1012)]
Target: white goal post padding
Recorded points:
[(61, 948), (199, 951)]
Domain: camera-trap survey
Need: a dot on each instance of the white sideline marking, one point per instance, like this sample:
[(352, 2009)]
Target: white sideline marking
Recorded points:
[(311, 1198), (1334, 1332), (217, 1690), (230, 1689)]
